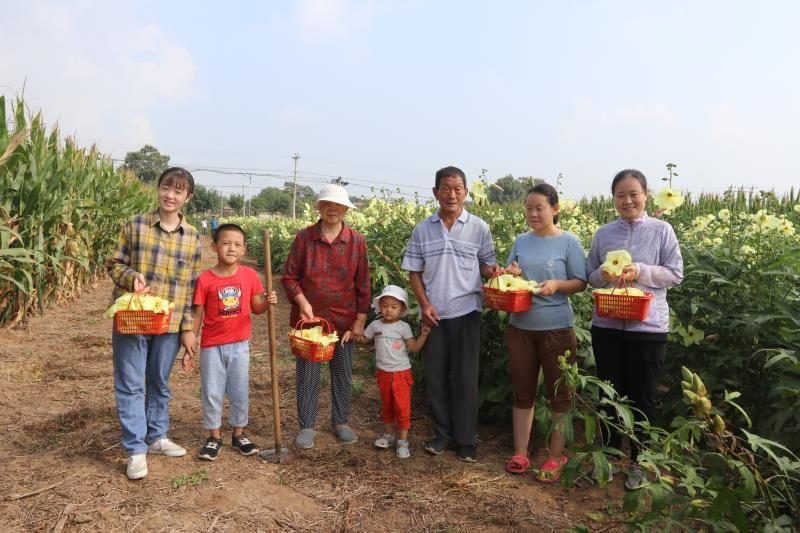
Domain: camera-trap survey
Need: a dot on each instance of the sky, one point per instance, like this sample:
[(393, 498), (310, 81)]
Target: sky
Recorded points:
[(383, 93)]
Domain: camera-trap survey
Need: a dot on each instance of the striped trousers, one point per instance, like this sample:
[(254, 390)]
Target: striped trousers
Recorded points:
[(307, 386)]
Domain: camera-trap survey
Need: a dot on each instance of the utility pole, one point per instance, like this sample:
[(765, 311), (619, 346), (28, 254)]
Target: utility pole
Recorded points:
[(250, 195), (244, 203), (296, 156)]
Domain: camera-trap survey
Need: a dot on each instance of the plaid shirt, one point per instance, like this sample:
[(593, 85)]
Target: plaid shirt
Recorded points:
[(168, 260), (333, 276)]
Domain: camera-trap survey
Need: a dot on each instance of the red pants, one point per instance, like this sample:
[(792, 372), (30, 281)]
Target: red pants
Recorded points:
[(395, 390)]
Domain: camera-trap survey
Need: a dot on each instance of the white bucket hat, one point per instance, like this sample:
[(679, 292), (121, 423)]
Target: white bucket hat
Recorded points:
[(395, 292), (333, 193)]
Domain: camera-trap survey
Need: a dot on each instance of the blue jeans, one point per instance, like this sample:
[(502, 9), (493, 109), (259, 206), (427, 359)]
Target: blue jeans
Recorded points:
[(225, 368), (142, 365)]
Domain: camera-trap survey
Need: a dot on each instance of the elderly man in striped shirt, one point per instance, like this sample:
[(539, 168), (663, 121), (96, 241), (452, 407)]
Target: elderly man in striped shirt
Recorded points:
[(446, 257)]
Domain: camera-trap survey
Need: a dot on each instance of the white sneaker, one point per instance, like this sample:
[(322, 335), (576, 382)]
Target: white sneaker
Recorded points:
[(137, 466), (166, 447), (403, 451)]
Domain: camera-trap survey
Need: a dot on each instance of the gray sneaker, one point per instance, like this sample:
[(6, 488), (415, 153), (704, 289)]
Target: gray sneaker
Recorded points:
[(345, 434), (305, 439), (403, 450), (637, 478)]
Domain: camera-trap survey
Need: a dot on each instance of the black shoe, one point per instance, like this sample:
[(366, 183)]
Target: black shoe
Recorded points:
[(436, 445), (210, 451), (244, 445), (466, 454)]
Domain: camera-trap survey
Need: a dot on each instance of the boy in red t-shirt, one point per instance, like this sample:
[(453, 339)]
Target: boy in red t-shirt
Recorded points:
[(224, 296)]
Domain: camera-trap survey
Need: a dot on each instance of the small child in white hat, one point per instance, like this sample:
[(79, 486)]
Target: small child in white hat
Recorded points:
[(393, 341)]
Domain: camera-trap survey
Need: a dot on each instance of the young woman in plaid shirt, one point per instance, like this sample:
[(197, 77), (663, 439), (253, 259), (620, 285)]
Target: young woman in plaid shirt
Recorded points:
[(157, 252)]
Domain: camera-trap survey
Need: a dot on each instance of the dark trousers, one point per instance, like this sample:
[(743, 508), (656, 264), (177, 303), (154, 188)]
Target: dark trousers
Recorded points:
[(307, 386), (632, 362), (450, 361)]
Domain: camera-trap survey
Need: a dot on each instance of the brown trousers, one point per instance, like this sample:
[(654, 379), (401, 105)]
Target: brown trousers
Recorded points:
[(530, 351)]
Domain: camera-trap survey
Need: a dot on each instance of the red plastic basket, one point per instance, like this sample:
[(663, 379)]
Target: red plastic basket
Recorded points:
[(141, 322), (509, 301), (310, 350), (622, 306)]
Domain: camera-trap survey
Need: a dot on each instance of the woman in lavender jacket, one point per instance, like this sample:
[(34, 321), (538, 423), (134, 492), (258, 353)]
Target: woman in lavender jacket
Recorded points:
[(630, 353)]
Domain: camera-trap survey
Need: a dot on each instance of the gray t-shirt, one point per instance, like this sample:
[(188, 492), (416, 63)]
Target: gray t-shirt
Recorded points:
[(390, 344)]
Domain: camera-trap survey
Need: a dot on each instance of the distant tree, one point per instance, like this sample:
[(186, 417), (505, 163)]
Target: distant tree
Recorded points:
[(359, 200), (236, 202), (304, 193), (511, 189), (204, 200), (273, 200), (148, 163)]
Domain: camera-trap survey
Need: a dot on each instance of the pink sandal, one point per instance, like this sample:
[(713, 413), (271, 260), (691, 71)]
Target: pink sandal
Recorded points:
[(551, 470), (518, 464)]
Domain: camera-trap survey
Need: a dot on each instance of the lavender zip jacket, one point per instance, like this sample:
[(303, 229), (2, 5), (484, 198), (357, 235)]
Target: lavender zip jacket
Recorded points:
[(654, 248)]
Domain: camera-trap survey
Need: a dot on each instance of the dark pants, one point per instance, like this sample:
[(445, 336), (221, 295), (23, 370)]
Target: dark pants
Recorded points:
[(632, 362), (450, 360), (307, 386)]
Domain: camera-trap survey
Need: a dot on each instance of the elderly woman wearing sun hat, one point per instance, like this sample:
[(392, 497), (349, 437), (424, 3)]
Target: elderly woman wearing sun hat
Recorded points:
[(327, 275)]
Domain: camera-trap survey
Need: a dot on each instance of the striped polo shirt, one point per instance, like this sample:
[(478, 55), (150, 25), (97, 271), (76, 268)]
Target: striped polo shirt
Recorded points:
[(450, 260)]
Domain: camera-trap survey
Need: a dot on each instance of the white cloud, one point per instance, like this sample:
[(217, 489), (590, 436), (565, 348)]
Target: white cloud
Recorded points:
[(95, 68), (141, 131)]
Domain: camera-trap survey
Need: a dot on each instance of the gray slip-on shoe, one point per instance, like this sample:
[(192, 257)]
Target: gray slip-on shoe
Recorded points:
[(636, 478), (345, 434), (305, 439)]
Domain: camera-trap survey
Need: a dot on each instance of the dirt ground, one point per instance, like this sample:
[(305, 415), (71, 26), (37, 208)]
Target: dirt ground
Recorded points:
[(63, 468)]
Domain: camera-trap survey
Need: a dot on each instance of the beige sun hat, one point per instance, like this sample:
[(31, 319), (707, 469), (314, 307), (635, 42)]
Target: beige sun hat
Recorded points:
[(395, 292), (333, 193)]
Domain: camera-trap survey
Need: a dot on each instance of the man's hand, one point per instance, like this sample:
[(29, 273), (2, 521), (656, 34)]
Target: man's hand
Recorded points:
[(430, 316), (140, 284), (490, 271)]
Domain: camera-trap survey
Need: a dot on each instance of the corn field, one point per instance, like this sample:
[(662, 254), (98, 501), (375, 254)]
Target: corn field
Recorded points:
[(61, 208)]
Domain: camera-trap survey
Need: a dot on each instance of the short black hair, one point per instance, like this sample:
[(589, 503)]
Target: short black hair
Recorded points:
[(632, 172), (228, 227), (450, 172), (549, 192), (177, 176)]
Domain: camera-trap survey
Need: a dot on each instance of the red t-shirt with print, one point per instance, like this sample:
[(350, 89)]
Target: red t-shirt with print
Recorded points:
[(226, 303)]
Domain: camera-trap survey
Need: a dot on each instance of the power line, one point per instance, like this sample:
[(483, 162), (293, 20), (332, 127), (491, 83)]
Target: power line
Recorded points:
[(314, 177)]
